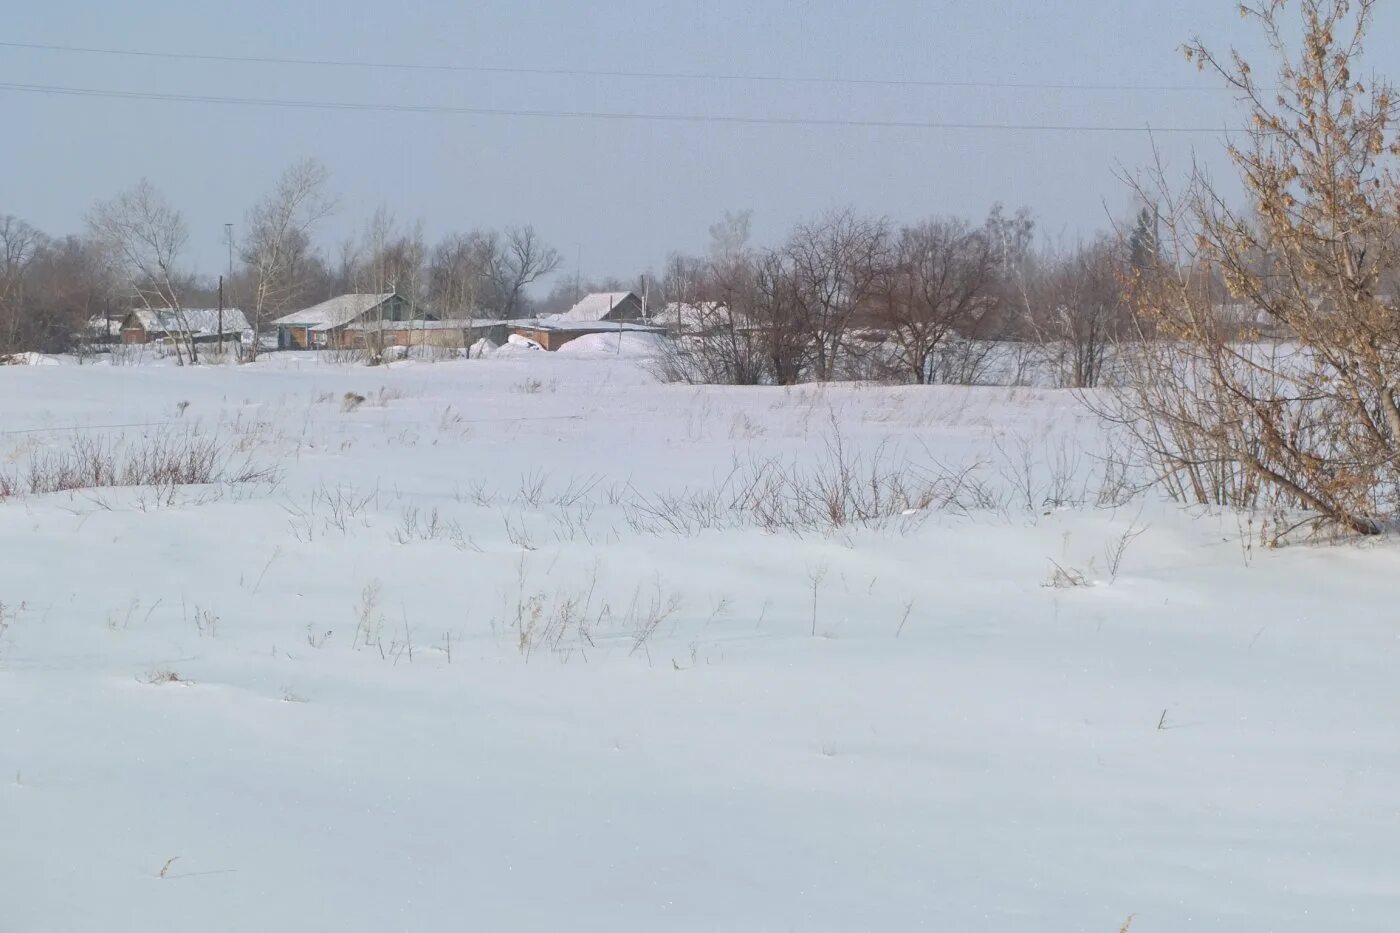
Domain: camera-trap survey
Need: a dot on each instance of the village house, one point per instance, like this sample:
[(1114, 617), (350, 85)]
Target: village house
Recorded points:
[(597, 313), (456, 334), (597, 307), (197, 325), (327, 325), (693, 318), (101, 329)]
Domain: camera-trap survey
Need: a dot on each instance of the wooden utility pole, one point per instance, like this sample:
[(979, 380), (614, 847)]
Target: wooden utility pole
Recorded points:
[(228, 233)]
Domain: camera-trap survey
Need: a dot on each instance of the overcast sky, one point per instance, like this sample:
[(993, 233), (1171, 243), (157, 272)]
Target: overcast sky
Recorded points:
[(622, 193)]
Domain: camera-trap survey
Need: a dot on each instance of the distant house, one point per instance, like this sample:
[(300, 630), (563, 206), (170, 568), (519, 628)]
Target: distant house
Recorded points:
[(552, 333), (458, 333), (701, 317), (101, 329), (596, 313), (327, 325), (200, 325), (602, 306)]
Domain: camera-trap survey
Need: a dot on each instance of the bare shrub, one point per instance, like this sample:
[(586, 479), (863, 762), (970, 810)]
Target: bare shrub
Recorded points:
[(1066, 578), (1115, 550), (329, 509), (8, 615), (369, 619), (160, 676), (351, 356), (962, 361), (529, 386), (840, 488), (416, 525), (351, 401), (1311, 422), (164, 459), (645, 614), (1077, 310)]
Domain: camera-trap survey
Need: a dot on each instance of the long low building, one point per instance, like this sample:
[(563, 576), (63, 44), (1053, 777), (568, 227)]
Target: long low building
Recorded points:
[(553, 333), (199, 325), (457, 333)]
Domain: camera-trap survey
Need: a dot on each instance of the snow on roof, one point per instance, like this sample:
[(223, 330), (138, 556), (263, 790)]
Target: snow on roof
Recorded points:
[(335, 312), (556, 323), (420, 324), (594, 307), (688, 314), (196, 322)]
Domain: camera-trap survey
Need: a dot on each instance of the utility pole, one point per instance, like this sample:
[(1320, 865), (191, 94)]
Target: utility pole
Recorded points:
[(228, 234)]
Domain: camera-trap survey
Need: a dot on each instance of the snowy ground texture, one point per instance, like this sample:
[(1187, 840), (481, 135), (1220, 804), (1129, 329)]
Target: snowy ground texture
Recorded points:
[(534, 643)]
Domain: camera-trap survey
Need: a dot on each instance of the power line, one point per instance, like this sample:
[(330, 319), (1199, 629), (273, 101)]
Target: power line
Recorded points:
[(590, 73), (58, 90)]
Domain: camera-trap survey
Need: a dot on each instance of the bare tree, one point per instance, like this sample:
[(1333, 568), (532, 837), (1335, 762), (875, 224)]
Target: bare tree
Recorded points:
[(146, 236), (834, 264), (19, 244), (685, 280), (729, 236), (937, 284), (386, 261), (779, 318), (277, 244), (516, 261), (457, 271), (1077, 311), (1312, 422), (70, 286), (735, 326)]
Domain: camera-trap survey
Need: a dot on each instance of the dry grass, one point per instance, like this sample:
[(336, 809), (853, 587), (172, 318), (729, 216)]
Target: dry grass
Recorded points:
[(577, 620), (838, 489), (160, 676), (1064, 578), (163, 460)]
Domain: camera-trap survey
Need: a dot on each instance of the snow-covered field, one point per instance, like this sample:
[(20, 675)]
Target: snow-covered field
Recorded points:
[(534, 643)]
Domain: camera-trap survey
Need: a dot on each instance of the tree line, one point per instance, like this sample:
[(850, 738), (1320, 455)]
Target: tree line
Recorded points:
[(847, 296), (844, 296), (134, 253)]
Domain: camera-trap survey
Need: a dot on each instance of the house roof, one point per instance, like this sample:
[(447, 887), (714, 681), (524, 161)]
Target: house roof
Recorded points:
[(336, 312), (422, 324), (595, 307), (687, 314), (196, 322), (586, 327)]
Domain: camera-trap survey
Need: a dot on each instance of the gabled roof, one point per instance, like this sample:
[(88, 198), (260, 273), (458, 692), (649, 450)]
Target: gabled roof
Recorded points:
[(194, 322), (334, 313), (595, 307)]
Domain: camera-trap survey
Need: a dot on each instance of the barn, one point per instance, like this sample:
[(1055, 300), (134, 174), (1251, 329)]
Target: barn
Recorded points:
[(200, 325)]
